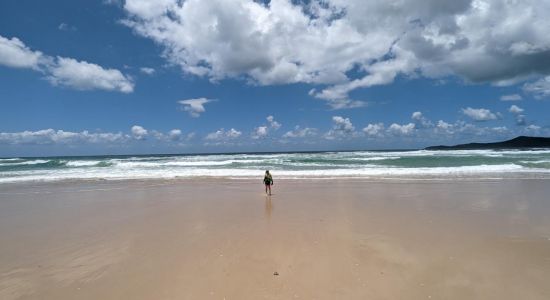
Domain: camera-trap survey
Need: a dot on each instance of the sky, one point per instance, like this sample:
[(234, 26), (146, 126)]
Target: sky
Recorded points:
[(194, 76)]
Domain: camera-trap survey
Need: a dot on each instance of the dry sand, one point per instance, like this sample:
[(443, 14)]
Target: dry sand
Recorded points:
[(326, 239)]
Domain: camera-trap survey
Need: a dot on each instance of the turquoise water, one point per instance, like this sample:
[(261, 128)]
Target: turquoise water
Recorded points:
[(369, 164)]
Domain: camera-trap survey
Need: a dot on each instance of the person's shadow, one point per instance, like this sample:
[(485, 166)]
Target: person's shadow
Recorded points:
[(268, 207)]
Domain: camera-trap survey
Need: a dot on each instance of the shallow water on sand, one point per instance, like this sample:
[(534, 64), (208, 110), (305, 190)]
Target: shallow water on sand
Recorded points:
[(216, 239)]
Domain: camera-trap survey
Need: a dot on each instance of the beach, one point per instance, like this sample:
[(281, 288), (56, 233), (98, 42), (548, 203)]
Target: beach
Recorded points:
[(216, 238)]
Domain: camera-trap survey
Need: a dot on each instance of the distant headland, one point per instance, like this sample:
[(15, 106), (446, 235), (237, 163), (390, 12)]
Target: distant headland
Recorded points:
[(515, 143)]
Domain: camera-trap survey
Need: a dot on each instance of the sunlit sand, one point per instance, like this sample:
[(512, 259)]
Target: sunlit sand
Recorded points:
[(313, 239)]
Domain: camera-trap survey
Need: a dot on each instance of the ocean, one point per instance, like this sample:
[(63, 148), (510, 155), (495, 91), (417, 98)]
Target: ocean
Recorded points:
[(414, 164)]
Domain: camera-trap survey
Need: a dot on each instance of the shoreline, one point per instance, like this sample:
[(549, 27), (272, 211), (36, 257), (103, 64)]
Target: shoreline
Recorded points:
[(389, 178)]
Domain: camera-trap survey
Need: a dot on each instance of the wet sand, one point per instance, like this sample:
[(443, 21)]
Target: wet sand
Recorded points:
[(326, 239)]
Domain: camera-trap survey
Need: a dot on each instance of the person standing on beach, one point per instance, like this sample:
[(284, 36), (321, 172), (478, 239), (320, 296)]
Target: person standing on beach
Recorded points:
[(268, 181)]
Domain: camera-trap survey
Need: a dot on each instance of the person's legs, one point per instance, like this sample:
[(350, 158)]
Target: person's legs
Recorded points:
[(269, 187), (266, 187)]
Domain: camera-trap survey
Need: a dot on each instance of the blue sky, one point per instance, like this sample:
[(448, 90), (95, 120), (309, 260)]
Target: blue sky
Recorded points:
[(138, 76)]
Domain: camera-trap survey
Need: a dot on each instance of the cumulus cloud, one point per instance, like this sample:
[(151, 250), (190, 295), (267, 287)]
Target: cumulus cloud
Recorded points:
[(336, 97), (341, 128), (374, 130), (520, 120), (63, 137), (299, 132), (540, 88), (195, 107), (262, 131), (444, 127), (146, 70), (82, 75), (405, 129), (420, 121), (62, 71), (174, 134), (533, 128), (272, 123), (515, 109), (138, 132), (477, 40), (512, 97), (259, 132), (223, 135), (14, 54), (517, 112), (51, 136), (479, 114), (463, 130)]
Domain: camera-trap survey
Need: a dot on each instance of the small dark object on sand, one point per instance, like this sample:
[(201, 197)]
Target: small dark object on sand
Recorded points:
[(276, 273)]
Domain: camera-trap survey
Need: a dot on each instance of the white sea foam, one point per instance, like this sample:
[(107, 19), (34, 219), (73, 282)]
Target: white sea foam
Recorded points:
[(81, 163), (375, 158), (9, 159), (544, 161), (168, 173), (131, 164), (365, 164), (30, 162)]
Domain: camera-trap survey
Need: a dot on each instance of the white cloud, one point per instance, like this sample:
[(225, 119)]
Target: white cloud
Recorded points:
[(113, 2), (222, 134), (51, 136), (380, 73), (512, 97), (232, 133), (300, 132), (82, 75), (146, 70), (272, 123), (14, 54), (519, 117), (533, 128), (478, 40), (444, 127), (515, 109), (147, 8), (479, 114), (342, 124), (66, 27), (520, 120), (374, 130), (405, 129), (138, 132), (263, 131), (174, 134), (421, 121), (500, 129), (341, 128), (260, 132), (63, 71), (461, 130), (337, 99), (416, 115), (540, 88), (195, 107)]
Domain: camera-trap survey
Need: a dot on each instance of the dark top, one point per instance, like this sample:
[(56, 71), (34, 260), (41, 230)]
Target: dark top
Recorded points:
[(268, 180)]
